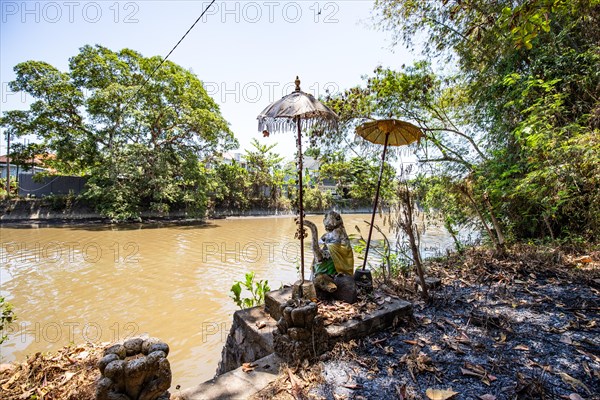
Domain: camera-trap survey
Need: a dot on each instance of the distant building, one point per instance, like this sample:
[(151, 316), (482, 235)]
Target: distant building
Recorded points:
[(33, 167), (312, 166), (231, 157)]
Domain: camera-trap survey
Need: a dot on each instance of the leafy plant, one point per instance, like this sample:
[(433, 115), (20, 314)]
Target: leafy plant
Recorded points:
[(257, 290), (6, 317), (13, 186)]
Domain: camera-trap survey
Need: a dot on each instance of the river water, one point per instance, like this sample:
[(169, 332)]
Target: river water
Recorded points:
[(77, 283)]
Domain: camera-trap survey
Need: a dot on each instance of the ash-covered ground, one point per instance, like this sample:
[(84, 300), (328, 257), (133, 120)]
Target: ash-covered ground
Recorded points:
[(522, 326)]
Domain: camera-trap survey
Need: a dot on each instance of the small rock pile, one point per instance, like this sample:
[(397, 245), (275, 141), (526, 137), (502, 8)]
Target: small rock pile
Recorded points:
[(138, 369)]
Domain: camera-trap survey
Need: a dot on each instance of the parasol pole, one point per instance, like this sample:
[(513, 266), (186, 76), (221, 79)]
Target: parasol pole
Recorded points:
[(300, 202), (387, 136)]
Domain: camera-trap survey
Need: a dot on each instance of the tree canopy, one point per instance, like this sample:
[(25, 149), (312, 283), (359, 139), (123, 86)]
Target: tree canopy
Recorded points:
[(138, 131), (507, 95)]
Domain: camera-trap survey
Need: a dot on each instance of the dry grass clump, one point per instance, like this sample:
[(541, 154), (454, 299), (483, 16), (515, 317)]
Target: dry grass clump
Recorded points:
[(293, 383), (68, 374)]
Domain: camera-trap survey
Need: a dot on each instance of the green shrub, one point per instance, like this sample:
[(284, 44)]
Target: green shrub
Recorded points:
[(6, 317), (257, 291)]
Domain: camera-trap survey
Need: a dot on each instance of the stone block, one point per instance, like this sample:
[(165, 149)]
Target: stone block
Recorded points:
[(237, 384), (250, 338), (305, 290), (375, 321), (274, 299), (432, 283)]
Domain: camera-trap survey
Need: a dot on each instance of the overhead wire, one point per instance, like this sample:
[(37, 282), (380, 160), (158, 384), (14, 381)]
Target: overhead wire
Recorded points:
[(150, 76), (170, 52)]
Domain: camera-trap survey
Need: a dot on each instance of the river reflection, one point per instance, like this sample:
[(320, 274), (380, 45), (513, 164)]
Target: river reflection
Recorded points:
[(102, 283)]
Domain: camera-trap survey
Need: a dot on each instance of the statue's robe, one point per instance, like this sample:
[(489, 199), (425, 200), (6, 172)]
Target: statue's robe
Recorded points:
[(341, 261)]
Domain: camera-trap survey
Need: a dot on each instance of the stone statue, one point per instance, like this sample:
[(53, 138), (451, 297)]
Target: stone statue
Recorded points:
[(138, 369), (300, 333), (333, 263)]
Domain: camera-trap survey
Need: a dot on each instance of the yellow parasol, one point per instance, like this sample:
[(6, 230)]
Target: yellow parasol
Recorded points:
[(388, 132)]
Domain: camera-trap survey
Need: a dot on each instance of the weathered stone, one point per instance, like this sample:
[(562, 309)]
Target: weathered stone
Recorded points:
[(302, 314), (135, 374), (103, 388), (117, 349), (304, 290), (105, 391), (257, 338), (153, 359), (148, 343), (364, 280), (115, 371), (160, 382), (301, 344), (324, 283), (305, 338), (133, 346), (239, 336), (298, 317), (276, 336), (287, 315), (236, 384), (136, 377), (299, 333), (432, 283), (159, 347), (375, 321), (346, 289), (274, 299), (282, 326), (104, 361)]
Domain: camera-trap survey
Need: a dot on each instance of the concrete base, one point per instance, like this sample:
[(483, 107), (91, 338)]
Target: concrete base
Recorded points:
[(377, 320), (236, 384), (274, 299), (384, 317), (250, 338)]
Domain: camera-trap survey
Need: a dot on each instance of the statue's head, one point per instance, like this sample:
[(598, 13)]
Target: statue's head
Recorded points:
[(332, 220)]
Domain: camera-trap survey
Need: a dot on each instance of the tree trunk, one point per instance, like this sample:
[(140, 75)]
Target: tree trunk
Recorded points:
[(501, 243), (409, 227), (493, 237)]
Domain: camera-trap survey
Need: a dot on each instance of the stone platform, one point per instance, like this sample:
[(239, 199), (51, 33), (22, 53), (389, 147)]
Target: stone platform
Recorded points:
[(236, 384), (250, 340), (375, 321)]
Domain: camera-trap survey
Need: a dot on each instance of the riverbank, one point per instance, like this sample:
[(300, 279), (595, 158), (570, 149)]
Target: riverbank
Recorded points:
[(523, 326), (69, 373), (59, 211)]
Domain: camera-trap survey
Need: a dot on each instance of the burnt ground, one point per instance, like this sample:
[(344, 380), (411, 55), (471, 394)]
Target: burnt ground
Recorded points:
[(523, 326)]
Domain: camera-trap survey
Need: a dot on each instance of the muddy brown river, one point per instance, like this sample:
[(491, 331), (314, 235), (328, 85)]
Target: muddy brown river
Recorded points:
[(78, 283)]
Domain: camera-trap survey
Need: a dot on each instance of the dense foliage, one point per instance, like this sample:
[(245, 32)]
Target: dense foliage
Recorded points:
[(512, 129)]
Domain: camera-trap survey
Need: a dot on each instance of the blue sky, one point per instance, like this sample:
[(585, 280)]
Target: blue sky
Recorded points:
[(246, 52)]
